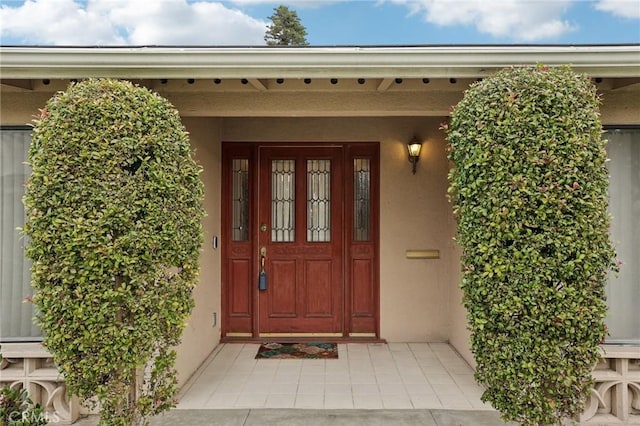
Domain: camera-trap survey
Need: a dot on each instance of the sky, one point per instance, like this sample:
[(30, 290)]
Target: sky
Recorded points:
[(328, 23)]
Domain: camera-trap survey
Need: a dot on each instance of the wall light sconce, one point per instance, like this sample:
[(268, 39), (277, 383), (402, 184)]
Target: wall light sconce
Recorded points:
[(414, 147)]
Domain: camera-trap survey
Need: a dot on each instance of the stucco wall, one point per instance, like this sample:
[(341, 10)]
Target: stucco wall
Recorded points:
[(200, 336), (458, 332), (414, 212), (19, 108), (621, 106)]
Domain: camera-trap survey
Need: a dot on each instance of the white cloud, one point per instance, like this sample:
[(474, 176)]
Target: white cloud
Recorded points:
[(56, 22), (524, 20), (623, 8), (111, 22)]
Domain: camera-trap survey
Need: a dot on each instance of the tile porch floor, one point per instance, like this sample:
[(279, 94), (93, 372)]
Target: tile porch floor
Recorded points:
[(369, 376)]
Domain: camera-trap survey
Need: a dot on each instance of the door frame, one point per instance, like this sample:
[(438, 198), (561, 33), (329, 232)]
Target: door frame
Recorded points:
[(360, 259)]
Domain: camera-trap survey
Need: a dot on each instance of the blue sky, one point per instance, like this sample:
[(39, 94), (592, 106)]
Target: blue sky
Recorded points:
[(329, 22)]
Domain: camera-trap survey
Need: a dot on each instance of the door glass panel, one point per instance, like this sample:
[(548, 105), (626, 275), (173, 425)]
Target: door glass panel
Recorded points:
[(318, 200), (240, 209), (361, 199), (283, 200)]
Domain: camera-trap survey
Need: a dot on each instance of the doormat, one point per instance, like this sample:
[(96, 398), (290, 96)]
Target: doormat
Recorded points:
[(311, 350)]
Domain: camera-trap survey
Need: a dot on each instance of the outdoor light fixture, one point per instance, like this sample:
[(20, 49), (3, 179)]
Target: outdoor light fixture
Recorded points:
[(414, 147)]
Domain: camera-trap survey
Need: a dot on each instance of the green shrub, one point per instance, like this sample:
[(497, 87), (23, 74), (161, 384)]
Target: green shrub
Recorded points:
[(114, 206), (529, 189), (17, 409)]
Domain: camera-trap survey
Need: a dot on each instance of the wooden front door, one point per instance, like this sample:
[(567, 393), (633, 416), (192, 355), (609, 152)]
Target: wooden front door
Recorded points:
[(299, 240)]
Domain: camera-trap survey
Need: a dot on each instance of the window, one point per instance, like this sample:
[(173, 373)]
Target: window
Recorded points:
[(623, 291), (240, 200), (361, 199), (16, 323), (318, 200), (283, 201)]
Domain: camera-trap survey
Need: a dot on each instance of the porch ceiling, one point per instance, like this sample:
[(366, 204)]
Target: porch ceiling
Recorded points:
[(263, 62), (321, 97)]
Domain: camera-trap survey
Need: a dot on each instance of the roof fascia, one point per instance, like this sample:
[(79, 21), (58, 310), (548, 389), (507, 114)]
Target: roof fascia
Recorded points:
[(309, 62)]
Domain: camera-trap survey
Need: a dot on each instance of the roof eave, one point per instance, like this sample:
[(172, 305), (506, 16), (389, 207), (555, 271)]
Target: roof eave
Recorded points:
[(309, 62)]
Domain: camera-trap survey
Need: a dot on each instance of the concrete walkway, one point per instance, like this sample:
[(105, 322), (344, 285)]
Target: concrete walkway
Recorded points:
[(394, 376), (369, 385), (298, 417)]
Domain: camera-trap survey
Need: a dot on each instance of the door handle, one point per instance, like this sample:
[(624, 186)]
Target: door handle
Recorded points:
[(262, 276)]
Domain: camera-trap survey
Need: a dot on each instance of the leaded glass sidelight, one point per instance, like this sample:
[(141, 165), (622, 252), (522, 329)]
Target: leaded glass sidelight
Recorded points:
[(240, 201), (318, 200), (361, 199), (283, 200)]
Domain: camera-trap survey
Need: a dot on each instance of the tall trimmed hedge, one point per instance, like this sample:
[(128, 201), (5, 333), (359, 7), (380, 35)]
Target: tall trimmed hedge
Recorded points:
[(529, 189), (114, 206)]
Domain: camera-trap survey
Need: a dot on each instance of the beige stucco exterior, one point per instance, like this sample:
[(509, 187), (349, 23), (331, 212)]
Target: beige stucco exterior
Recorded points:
[(416, 294), (200, 337), (420, 299)]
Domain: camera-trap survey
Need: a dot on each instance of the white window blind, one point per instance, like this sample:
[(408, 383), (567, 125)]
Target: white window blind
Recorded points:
[(623, 291), (16, 323)]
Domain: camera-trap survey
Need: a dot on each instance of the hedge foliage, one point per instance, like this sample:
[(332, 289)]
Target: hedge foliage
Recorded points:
[(17, 408), (529, 189), (114, 206)]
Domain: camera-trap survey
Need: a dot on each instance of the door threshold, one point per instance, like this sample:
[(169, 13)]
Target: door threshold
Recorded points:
[(301, 339), (297, 335)]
